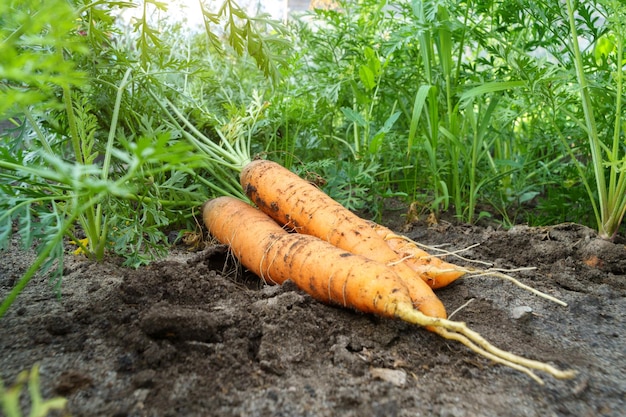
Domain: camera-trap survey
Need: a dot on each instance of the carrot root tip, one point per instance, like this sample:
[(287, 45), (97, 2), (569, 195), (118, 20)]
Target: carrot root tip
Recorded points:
[(458, 331)]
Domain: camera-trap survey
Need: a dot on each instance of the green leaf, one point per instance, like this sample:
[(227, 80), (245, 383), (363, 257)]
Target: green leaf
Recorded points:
[(158, 4), (391, 120), (10, 398), (353, 116), (367, 77), (373, 62), (376, 142), (26, 228), (32, 36), (418, 105), (490, 87), (605, 45)]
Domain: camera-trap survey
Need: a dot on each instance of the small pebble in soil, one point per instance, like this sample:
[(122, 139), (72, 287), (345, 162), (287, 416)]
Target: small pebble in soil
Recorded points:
[(396, 377), (520, 312)]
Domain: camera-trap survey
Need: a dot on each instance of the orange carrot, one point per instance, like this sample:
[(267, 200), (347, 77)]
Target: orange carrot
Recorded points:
[(436, 272), (302, 207), (333, 275), (328, 273)]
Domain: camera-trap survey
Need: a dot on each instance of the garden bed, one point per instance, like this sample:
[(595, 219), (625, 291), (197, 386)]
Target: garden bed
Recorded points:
[(192, 336)]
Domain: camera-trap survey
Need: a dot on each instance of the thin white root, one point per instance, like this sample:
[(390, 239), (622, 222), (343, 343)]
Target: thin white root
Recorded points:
[(460, 308), (494, 272), (455, 330), (468, 343), (265, 276), (443, 253), (455, 253), (401, 260)]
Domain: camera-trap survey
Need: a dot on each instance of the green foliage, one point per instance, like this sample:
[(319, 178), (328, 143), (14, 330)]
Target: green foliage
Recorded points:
[(32, 62), (92, 155), (462, 104), (394, 86), (245, 37), (575, 97), (608, 156), (10, 397)]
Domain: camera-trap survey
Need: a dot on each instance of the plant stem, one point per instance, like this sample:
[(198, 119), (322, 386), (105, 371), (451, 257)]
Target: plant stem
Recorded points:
[(114, 119), (617, 183), (71, 120), (39, 261), (592, 132), (38, 132)]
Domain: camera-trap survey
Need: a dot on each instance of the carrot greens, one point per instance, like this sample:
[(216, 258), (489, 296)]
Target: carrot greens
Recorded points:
[(86, 157)]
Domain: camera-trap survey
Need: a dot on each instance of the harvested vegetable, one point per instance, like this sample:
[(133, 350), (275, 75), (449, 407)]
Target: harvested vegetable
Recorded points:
[(304, 208), (436, 272), (328, 273), (335, 276)]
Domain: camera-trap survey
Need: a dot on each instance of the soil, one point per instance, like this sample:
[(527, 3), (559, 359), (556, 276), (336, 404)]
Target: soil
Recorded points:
[(194, 336)]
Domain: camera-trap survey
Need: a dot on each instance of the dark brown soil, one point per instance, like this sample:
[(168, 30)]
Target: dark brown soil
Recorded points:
[(190, 336)]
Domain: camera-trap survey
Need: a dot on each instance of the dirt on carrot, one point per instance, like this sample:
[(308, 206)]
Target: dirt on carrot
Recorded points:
[(324, 271), (335, 276), (193, 335), (434, 270), (302, 207)]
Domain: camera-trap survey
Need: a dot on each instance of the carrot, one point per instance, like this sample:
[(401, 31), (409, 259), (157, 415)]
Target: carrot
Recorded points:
[(436, 272), (304, 208), (285, 253), (335, 276)]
